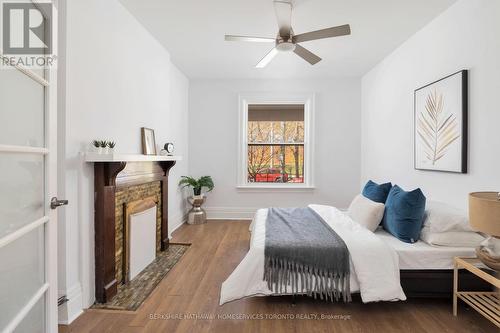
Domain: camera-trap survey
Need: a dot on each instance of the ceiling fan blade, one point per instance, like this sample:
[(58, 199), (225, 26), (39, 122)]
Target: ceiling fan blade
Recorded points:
[(283, 11), (267, 58), (341, 30), (306, 55), (234, 38)]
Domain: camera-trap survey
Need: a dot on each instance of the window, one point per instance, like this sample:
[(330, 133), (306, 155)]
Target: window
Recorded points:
[(275, 150)]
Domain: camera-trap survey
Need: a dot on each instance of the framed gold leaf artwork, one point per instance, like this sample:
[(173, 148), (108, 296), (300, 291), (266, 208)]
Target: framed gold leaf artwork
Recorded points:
[(440, 127)]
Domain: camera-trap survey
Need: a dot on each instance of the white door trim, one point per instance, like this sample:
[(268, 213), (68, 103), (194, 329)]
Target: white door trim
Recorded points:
[(51, 165)]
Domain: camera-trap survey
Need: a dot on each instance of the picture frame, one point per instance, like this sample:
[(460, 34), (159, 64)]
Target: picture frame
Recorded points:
[(148, 141), (441, 124)]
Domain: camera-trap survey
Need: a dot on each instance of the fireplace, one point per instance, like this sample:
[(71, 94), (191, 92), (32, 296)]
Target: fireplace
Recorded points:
[(123, 184)]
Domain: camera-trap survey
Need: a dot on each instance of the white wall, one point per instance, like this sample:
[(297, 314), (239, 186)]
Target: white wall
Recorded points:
[(118, 79), (213, 143), (463, 37)]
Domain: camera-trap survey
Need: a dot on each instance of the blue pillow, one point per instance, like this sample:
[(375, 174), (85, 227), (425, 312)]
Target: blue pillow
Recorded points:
[(404, 214), (376, 192)]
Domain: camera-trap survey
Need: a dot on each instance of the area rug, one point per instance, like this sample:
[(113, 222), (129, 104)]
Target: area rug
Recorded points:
[(131, 295)]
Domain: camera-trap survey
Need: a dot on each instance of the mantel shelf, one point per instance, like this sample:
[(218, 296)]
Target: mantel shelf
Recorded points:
[(95, 157)]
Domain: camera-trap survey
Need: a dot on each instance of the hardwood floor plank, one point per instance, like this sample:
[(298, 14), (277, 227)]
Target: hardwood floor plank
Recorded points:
[(216, 272), (192, 289)]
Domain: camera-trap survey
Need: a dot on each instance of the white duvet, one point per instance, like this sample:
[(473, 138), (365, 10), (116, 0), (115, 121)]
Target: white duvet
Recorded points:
[(374, 265)]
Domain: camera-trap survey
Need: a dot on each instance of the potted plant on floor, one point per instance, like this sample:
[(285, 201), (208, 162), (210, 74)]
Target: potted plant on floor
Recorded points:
[(197, 215)]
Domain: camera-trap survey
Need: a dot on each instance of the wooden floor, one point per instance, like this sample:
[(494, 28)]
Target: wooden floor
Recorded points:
[(192, 289)]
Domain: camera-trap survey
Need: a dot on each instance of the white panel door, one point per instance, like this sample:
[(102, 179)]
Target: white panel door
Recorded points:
[(28, 174)]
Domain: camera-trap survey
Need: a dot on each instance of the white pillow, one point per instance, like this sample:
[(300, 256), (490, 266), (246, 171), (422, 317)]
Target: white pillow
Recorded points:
[(451, 238), (366, 212), (441, 217)]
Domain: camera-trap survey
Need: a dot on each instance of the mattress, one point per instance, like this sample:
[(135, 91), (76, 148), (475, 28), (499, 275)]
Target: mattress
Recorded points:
[(421, 255)]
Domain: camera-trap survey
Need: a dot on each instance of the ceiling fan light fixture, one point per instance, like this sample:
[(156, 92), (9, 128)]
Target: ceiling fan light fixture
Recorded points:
[(285, 47)]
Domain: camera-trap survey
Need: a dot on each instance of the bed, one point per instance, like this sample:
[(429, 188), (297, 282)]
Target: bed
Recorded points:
[(422, 270)]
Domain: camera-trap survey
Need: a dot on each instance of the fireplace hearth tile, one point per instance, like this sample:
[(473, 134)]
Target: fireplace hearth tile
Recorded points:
[(132, 294)]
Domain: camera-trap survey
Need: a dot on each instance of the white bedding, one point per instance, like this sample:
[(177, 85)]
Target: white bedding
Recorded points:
[(421, 255), (374, 264)]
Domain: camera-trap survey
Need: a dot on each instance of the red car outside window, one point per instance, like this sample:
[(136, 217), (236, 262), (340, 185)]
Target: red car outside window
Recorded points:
[(271, 176)]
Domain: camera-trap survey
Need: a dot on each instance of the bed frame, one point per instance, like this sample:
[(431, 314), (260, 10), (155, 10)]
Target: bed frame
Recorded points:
[(438, 283), (431, 283)]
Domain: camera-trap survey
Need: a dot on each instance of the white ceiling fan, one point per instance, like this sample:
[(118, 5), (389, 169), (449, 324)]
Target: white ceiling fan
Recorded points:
[(286, 40)]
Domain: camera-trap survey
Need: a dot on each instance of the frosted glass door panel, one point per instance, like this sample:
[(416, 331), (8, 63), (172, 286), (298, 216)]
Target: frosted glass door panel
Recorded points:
[(22, 273), (21, 191), (21, 109), (34, 322)]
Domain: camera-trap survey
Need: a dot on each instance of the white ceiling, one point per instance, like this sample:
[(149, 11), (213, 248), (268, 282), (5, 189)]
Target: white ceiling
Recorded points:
[(193, 32)]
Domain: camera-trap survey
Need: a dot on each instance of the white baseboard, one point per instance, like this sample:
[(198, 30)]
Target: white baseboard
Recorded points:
[(230, 213), (178, 220), (70, 310)]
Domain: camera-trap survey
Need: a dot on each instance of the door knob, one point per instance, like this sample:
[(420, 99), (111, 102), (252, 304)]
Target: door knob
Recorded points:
[(54, 203)]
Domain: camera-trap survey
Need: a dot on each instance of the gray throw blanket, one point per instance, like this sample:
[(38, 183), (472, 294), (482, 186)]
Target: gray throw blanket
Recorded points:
[(300, 246)]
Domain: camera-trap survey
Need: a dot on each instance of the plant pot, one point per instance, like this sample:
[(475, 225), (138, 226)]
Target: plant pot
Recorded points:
[(196, 214)]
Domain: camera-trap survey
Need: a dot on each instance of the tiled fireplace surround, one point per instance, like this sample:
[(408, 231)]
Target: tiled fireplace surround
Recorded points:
[(124, 197)]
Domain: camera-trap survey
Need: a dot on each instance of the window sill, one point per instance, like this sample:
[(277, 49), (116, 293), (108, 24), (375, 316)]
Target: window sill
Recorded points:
[(275, 187)]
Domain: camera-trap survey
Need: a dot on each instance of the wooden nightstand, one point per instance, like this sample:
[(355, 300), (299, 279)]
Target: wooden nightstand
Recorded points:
[(486, 303)]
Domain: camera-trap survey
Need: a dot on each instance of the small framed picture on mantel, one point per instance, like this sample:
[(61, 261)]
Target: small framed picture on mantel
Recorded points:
[(440, 126), (148, 141)]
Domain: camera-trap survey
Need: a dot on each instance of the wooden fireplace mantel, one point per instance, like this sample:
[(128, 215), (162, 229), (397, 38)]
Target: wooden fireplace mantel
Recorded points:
[(95, 157), (112, 171)]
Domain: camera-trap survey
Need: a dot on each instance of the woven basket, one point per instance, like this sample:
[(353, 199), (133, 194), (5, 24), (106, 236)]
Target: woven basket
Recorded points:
[(493, 263)]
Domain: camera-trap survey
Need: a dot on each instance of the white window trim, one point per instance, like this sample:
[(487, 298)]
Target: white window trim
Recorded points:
[(276, 98)]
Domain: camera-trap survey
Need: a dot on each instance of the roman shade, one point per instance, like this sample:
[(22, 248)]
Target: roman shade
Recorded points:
[(276, 112)]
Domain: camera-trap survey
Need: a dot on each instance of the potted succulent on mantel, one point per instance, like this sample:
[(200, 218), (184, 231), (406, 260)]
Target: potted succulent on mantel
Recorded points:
[(103, 146), (100, 146), (197, 215), (97, 146), (111, 146)]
